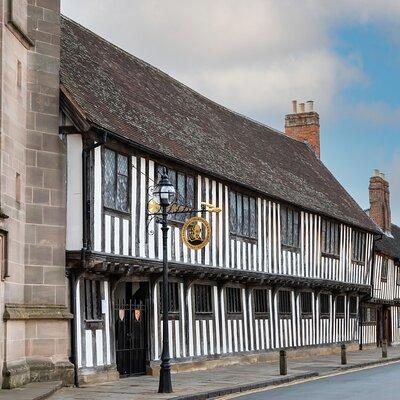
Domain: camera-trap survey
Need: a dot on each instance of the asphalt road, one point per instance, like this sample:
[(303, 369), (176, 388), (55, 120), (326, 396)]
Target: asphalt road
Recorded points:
[(381, 383)]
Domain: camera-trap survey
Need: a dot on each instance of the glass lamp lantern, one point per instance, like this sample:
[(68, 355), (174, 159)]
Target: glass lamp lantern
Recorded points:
[(164, 192)]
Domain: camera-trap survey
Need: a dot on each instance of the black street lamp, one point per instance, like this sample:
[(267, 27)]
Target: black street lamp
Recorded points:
[(164, 195)]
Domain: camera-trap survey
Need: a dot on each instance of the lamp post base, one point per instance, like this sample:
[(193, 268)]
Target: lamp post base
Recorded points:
[(165, 385)]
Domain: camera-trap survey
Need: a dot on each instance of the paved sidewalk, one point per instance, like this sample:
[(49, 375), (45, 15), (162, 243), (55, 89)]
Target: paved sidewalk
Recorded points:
[(31, 391), (220, 381)]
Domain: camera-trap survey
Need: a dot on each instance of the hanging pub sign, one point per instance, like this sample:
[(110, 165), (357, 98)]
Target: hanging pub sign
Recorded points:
[(196, 233)]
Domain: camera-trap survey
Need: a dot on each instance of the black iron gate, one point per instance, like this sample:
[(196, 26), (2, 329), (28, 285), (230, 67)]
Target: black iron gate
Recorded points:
[(130, 332)]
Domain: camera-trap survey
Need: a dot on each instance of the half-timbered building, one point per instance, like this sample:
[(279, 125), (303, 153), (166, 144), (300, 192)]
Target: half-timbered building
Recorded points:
[(381, 314), (290, 256)]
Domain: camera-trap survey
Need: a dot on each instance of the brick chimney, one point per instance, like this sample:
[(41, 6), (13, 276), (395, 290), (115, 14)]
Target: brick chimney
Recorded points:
[(303, 124), (379, 199)]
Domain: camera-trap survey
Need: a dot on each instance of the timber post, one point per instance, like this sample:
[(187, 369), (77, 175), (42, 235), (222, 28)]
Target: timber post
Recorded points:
[(282, 362), (343, 354), (384, 349)]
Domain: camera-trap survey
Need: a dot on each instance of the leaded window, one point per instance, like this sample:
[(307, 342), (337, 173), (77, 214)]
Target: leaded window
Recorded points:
[(353, 307), (384, 270), (233, 301), (184, 185), (290, 227), (92, 300), (173, 297), (116, 176), (369, 314), (261, 303), (306, 304), (330, 233), (285, 303), (358, 246), (203, 299), (242, 215), (325, 305), (340, 307)]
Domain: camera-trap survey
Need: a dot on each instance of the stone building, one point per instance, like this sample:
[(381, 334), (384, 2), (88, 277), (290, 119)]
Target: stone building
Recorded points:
[(34, 339)]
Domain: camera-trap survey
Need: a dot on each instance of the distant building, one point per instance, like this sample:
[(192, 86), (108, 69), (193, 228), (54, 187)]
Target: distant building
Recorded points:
[(381, 316)]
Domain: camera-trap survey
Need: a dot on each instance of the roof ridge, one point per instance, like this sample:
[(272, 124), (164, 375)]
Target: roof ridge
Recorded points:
[(158, 70)]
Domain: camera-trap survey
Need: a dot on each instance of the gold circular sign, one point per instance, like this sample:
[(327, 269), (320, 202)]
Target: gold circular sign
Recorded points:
[(196, 233)]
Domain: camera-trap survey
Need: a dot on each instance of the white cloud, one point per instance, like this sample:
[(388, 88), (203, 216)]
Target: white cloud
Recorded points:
[(253, 56)]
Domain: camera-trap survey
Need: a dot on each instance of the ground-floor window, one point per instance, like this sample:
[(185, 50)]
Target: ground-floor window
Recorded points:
[(203, 300), (92, 300), (284, 304), (369, 314), (233, 301), (325, 305), (173, 298), (306, 304), (353, 307), (261, 303), (340, 307)]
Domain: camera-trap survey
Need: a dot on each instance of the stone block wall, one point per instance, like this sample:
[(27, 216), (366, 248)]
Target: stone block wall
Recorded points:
[(32, 194)]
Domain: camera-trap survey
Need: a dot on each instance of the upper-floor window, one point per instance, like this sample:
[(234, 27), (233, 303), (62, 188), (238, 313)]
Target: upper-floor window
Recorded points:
[(261, 304), (285, 304), (384, 269), (290, 227), (173, 298), (233, 301), (325, 305), (203, 299), (340, 307), (330, 232), (306, 304), (184, 185), (398, 275), (92, 300), (242, 215), (116, 176), (353, 307), (358, 247)]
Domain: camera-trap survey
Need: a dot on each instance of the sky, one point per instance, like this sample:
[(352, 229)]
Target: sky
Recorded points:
[(256, 56)]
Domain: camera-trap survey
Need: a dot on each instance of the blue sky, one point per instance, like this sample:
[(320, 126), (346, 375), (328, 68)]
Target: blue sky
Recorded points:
[(356, 141), (256, 56)]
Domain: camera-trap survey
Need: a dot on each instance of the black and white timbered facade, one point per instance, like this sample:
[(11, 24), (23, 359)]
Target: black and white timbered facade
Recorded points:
[(291, 254)]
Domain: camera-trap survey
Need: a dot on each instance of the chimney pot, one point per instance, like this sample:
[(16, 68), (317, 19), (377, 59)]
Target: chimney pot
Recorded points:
[(294, 106), (379, 199), (304, 126)]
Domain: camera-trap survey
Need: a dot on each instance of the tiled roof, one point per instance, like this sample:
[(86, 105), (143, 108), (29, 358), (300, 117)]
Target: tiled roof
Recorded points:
[(124, 95), (390, 246)]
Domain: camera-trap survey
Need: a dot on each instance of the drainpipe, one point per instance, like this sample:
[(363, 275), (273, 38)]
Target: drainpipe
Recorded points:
[(74, 331), (85, 206), (73, 276)]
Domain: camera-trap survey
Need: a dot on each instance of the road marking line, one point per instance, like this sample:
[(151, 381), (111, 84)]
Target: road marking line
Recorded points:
[(299, 382)]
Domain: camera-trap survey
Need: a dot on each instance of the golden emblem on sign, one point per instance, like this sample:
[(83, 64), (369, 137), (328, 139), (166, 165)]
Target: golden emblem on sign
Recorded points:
[(196, 233)]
